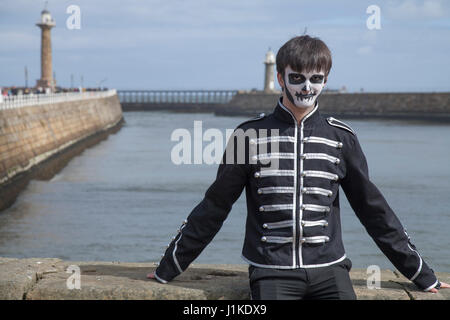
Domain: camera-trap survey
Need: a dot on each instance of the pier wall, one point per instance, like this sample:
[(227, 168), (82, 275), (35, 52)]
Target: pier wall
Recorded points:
[(426, 106), (32, 135), (47, 279)]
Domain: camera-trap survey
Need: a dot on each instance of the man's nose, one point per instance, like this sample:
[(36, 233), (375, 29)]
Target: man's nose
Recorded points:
[(307, 86)]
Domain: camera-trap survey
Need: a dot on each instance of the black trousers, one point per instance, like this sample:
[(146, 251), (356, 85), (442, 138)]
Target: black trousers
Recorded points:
[(331, 282)]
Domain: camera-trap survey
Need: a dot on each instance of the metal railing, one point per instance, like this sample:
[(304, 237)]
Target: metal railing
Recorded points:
[(17, 101), (175, 96)]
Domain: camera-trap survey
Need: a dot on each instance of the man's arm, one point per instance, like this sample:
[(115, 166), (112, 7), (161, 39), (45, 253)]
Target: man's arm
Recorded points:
[(381, 222), (205, 220)]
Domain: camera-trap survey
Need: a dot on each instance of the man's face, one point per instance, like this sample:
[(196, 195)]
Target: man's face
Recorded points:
[(302, 88)]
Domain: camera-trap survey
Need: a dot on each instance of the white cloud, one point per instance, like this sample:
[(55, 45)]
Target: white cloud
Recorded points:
[(134, 39), (413, 9)]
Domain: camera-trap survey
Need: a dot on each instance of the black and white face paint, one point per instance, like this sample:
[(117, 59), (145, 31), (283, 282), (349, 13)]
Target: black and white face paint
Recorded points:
[(302, 89)]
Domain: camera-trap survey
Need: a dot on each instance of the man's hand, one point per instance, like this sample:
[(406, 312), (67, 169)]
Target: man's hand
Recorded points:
[(151, 276), (443, 285)]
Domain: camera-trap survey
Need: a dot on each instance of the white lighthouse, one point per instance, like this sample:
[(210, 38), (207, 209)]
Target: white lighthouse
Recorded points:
[(269, 78)]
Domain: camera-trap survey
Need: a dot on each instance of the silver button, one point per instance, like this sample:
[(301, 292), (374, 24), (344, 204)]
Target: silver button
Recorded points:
[(327, 209), (337, 161), (185, 221), (302, 156), (262, 114), (303, 207), (261, 208), (326, 224), (303, 174), (255, 157), (259, 191), (257, 175), (263, 239), (162, 256), (173, 238), (265, 226), (339, 145), (303, 223), (302, 240), (330, 194), (167, 245), (252, 141)]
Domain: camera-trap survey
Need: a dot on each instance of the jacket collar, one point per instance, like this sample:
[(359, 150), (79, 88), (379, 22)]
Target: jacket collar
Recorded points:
[(282, 113)]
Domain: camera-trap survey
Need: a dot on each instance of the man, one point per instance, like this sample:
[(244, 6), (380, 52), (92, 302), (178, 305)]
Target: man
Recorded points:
[(293, 240)]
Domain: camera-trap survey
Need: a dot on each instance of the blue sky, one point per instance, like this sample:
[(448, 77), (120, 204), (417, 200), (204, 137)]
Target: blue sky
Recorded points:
[(221, 44)]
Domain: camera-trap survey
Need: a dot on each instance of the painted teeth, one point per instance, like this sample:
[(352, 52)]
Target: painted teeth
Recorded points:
[(306, 96)]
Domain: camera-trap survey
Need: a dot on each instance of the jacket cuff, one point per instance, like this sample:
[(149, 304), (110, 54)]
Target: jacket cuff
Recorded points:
[(426, 280), (166, 271), (160, 279), (434, 285)]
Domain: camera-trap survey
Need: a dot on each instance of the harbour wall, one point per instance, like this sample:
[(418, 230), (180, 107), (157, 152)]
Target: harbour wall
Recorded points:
[(36, 141), (422, 106), (434, 106)]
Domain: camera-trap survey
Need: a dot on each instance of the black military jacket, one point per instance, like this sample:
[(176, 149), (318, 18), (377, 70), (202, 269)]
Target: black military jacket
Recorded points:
[(293, 218)]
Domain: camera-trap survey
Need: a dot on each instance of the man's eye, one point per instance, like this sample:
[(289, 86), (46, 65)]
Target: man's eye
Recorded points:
[(296, 78), (317, 78)]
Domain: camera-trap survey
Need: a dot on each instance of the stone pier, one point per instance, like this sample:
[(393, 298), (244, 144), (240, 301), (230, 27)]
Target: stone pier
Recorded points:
[(39, 134), (47, 278)]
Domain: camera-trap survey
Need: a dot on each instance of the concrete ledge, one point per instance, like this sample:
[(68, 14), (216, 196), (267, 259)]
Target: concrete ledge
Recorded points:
[(46, 278)]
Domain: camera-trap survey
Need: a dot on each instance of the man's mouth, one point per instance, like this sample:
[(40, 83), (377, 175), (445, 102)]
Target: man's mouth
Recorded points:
[(304, 97)]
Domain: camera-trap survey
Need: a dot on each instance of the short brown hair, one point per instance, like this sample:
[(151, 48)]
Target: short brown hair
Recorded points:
[(304, 54)]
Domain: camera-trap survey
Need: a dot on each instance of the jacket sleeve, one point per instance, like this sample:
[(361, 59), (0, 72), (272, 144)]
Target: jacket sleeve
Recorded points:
[(381, 222), (205, 219)]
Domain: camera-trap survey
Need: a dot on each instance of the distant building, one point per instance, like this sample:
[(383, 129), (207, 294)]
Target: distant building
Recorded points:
[(343, 89), (328, 90), (46, 24)]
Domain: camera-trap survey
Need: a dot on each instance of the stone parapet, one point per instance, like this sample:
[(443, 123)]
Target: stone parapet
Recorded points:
[(47, 278)]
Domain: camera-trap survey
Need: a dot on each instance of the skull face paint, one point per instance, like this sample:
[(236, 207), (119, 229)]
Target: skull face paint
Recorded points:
[(302, 88)]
